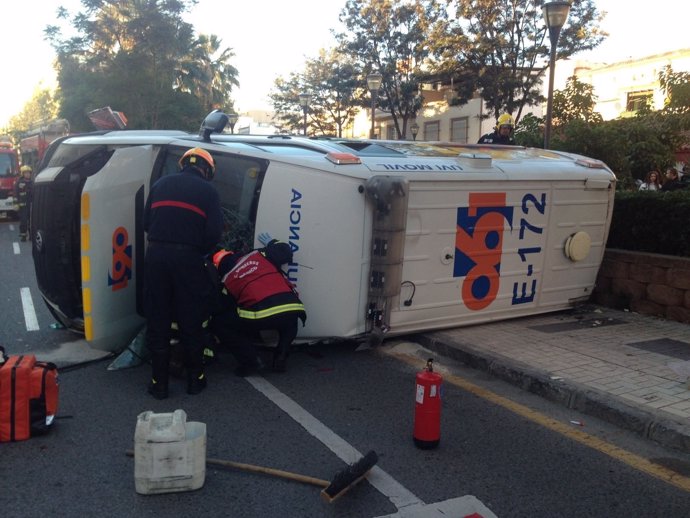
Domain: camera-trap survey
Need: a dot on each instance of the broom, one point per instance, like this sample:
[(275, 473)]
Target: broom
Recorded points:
[(333, 489)]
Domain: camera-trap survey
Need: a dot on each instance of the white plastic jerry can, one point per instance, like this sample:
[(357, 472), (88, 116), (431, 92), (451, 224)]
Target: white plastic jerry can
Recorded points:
[(169, 453)]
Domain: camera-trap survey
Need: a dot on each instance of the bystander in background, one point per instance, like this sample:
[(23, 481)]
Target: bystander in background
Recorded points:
[(652, 181), (672, 181)]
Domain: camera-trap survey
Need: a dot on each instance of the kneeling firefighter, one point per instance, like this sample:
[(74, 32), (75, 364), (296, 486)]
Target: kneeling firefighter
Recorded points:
[(259, 297)]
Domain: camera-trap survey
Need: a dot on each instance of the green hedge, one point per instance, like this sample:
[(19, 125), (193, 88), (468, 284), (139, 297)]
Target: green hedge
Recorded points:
[(652, 222)]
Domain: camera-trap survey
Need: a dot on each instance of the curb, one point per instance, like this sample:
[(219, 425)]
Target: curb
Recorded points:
[(606, 407)]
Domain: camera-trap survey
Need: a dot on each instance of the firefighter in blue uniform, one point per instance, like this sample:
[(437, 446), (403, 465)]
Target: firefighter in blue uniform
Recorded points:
[(183, 220), (257, 296), (503, 132), (22, 193)]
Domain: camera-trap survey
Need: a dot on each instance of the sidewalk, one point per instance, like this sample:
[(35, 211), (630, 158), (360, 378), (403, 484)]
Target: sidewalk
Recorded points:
[(628, 369)]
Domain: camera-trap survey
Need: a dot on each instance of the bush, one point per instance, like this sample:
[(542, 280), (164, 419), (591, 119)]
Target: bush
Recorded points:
[(652, 222)]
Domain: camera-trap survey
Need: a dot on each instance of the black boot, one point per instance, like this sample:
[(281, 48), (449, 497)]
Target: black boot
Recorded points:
[(158, 387), (196, 380), (158, 390), (280, 361), (196, 383)]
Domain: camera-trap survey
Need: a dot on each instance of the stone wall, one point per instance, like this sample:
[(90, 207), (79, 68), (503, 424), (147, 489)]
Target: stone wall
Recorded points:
[(651, 284)]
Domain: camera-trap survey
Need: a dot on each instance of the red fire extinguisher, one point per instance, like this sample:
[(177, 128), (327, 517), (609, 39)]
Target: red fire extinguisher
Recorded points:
[(427, 408)]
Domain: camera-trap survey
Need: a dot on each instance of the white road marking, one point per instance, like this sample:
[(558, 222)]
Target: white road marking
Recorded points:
[(16, 248), (387, 485), (467, 506), (29, 311)]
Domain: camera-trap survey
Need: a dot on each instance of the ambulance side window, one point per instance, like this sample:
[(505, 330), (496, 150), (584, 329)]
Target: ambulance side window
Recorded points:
[(238, 180), (170, 163)]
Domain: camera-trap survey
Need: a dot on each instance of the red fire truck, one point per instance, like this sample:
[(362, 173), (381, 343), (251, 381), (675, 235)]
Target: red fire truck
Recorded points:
[(35, 141), (9, 172)]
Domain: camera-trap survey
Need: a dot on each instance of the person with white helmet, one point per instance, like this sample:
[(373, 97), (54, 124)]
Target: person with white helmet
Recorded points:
[(183, 220), (503, 132), (22, 193)]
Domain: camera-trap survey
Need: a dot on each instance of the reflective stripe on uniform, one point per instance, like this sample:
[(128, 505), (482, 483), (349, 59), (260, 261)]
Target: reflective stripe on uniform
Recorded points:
[(179, 205), (270, 311)]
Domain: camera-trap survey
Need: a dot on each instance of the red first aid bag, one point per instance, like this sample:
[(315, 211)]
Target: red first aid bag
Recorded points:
[(28, 397)]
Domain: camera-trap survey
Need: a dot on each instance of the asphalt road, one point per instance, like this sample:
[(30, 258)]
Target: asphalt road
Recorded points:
[(333, 398)]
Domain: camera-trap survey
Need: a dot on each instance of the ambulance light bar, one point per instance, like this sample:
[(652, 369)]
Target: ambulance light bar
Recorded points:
[(591, 163), (343, 158)]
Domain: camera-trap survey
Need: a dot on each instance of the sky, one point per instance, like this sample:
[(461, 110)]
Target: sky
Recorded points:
[(271, 38)]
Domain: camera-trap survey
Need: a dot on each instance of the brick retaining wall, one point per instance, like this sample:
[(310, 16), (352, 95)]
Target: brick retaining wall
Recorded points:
[(651, 284)]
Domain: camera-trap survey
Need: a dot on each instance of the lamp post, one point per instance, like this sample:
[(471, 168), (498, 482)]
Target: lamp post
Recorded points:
[(373, 83), (414, 128), (232, 120), (555, 13), (304, 99)]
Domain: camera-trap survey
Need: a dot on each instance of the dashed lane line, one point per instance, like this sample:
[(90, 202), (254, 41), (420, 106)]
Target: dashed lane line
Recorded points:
[(29, 311)]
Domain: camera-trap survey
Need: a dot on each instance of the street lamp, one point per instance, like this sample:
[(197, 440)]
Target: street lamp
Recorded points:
[(555, 13), (414, 128), (373, 83), (304, 99), (232, 120)]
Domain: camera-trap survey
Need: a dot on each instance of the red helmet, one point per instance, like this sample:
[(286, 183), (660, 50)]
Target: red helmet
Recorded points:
[(200, 158)]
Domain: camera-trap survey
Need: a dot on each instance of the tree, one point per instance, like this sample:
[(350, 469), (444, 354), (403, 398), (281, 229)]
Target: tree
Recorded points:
[(676, 86), (390, 37), (575, 102), (136, 56), (529, 132), (630, 146), (41, 108), (332, 83), (206, 73), (499, 48)]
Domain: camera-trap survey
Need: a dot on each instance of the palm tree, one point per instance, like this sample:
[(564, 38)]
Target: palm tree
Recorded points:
[(207, 74)]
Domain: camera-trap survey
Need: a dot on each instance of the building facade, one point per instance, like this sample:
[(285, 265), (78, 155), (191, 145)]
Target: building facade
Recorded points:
[(621, 89)]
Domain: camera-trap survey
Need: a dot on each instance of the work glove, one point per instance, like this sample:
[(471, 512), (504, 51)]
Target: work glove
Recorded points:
[(265, 238)]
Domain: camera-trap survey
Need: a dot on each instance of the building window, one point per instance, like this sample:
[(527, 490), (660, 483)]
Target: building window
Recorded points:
[(432, 130), (637, 100), (390, 132), (458, 130)]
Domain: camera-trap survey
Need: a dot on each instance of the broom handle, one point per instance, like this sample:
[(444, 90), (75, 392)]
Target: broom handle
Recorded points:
[(262, 469), (269, 471)]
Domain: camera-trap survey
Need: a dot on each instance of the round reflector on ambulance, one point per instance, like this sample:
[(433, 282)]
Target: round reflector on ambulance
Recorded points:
[(577, 246)]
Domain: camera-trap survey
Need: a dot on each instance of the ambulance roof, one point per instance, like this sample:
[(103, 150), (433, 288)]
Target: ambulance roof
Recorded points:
[(392, 157)]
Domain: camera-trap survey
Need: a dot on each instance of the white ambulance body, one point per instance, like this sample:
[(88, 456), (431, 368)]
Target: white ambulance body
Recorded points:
[(389, 238)]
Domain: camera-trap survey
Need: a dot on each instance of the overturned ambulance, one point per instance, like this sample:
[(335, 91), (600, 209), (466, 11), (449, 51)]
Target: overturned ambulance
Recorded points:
[(389, 237)]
